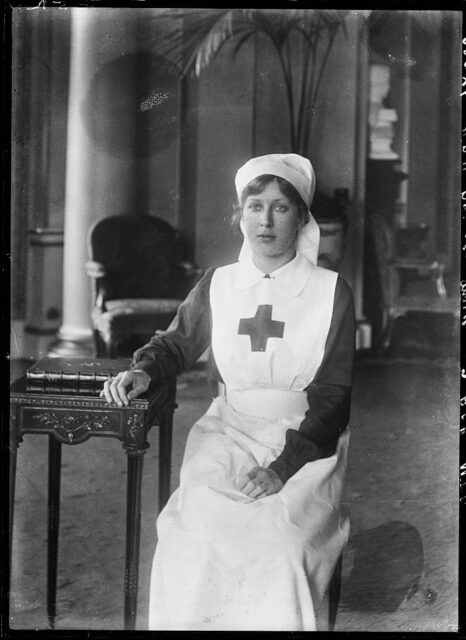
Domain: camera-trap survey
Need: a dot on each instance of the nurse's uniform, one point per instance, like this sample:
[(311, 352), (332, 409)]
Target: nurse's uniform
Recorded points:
[(225, 561)]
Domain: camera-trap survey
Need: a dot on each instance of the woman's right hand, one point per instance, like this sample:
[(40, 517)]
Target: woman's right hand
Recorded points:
[(116, 389)]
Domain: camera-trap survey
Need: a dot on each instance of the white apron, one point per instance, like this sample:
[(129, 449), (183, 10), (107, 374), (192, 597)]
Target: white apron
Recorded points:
[(225, 561)]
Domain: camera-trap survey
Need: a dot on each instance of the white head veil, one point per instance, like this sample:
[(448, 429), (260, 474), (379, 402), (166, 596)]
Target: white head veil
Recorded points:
[(297, 171)]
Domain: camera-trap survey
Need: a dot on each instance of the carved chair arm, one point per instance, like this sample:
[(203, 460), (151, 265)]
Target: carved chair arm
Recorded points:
[(95, 269), (423, 267), (435, 268), (189, 276), (189, 270)]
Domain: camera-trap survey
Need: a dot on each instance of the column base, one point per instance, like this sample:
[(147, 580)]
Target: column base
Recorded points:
[(30, 343), (363, 335), (69, 348)]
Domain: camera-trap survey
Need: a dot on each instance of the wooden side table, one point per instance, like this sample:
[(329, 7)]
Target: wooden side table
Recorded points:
[(71, 420)]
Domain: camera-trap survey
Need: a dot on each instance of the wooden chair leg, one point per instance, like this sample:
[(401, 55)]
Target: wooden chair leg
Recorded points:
[(334, 594), (99, 344), (110, 348), (165, 456), (389, 333), (385, 338)]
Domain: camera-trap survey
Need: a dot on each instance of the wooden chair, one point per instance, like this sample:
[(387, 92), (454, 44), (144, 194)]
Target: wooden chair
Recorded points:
[(334, 591), (388, 276), (140, 279)]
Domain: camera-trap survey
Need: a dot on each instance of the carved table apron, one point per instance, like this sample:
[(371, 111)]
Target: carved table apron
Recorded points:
[(72, 419)]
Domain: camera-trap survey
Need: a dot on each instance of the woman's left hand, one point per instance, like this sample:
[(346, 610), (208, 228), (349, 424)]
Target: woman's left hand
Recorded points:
[(260, 482)]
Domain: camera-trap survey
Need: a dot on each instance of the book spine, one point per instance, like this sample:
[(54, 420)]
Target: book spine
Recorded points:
[(84, 384), (53, 380), (35, 381), (68, 382)]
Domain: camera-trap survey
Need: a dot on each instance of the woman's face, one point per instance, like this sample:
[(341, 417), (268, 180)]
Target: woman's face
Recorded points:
[(271, 222)]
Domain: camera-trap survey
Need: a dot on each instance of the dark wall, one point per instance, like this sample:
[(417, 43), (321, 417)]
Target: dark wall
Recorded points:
[(40, 76)]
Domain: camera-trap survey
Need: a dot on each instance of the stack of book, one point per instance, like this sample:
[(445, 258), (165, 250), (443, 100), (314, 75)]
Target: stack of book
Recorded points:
[(74, 376)]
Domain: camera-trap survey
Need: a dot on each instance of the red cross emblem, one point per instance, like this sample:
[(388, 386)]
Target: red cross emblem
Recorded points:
[(261, 327)]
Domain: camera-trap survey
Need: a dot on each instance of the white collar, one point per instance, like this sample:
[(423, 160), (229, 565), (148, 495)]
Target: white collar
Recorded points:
[(291, 277)]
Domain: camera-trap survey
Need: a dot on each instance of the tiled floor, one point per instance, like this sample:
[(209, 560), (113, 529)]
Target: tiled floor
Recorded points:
[(400, 566)]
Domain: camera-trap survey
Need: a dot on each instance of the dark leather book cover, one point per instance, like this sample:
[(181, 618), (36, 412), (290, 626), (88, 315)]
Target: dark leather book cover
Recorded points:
[(73, 375)]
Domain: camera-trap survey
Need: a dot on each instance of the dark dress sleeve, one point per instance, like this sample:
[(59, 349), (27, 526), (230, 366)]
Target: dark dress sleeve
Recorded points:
[(329, 394), (170, 352)]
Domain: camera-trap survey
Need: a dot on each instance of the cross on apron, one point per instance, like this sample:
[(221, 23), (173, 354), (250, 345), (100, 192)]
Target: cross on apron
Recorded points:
[(261, 327)]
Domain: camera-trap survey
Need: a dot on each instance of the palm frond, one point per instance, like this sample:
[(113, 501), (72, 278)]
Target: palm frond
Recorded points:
[(343, 14), (192, 38), (181, 32), (216, 36), (241, 40), (274, 23)]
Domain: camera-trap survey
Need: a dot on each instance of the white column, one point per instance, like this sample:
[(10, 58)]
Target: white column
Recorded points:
[(100, 181), (75, 334)]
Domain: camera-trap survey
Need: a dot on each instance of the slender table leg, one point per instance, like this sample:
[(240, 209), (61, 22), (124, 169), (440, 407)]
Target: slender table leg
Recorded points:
[(165, 456), (53, 525), (133, 530), (13, 454)]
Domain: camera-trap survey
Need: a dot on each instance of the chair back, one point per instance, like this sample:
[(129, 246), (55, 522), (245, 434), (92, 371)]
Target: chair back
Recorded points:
[(139, 253)]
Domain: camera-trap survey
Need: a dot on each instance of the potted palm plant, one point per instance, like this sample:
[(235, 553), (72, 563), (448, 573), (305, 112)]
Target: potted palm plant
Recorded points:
[(302, 40), (201, 34)]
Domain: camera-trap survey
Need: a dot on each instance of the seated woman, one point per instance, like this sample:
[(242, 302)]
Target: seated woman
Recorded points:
[(251, 537)]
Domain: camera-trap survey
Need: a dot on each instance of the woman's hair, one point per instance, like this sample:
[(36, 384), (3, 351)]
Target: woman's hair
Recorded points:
[(258, 185)]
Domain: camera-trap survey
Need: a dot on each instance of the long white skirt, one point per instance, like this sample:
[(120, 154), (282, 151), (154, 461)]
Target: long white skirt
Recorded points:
[(225, 561)]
